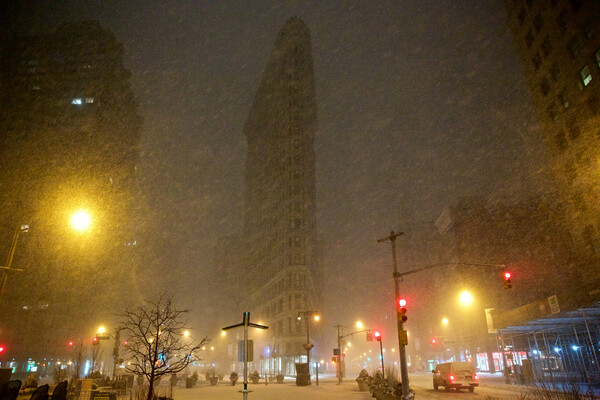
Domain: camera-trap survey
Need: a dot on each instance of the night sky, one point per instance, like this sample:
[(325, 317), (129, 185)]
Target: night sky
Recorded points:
[(419, 103)]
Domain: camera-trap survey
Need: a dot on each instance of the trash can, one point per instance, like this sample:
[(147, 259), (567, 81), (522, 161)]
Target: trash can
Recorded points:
[(5, 374), (302, 374)]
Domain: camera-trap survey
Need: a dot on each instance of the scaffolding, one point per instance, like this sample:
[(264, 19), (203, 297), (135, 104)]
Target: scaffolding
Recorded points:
[(562, 348)]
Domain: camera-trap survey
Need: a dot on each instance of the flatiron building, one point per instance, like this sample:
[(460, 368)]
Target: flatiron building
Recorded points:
[(281, 270)]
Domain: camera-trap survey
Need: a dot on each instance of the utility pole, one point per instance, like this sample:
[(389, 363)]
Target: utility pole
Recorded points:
[(402, 335)]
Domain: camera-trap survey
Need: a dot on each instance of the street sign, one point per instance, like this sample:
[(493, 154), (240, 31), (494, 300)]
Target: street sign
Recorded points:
[(241, 350), (336, 352)]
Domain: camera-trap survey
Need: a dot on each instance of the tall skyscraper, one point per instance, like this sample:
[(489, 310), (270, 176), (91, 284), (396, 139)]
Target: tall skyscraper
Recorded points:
[(559, 45), (281, 270), (69, 133)]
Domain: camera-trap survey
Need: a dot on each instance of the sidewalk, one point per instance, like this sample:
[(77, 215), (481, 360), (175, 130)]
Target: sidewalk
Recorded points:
[(327, 389)]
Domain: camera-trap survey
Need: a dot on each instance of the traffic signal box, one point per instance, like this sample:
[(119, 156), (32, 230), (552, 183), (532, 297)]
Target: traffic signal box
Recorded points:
[(507, 280), (402, 310)]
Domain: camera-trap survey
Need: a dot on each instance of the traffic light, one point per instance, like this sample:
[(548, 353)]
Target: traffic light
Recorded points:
[(70, 343), (434, 341), (377, 336), (507, 282), (2, 349), (95, 340), (402, 309)]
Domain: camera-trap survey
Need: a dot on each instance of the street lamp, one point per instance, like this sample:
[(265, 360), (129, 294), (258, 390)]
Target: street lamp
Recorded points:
[(6, 269), (466, 298), (81, 220), (308, 345)]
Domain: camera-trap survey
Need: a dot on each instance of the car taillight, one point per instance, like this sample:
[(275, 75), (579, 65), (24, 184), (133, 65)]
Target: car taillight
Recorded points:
[(476, 377), (451, 377)]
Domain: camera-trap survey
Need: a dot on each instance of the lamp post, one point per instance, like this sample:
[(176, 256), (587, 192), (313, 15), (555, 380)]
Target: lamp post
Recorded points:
[(340, 337), (308, 345), (6, 269)]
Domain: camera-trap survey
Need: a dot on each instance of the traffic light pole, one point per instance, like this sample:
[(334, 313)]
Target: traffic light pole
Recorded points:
[(402, 336), (381, 356), (340, 336)]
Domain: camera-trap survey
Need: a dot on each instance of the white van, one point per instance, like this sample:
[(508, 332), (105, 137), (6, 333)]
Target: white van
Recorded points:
[(458, 375)]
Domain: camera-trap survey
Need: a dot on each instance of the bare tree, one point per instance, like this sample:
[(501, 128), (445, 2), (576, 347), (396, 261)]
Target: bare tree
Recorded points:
[(155, 346), (78, 353), (96, 354)]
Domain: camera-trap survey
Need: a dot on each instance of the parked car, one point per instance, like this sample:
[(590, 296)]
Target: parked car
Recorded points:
[(457, 375)]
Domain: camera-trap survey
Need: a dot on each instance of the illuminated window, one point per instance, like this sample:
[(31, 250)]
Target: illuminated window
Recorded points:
[(585, 75), (89, 100), (77, 101)]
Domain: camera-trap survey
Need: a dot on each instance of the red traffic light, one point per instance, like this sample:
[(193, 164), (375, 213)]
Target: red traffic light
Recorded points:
[(71, 343), (377, 335), (507, 279), (402, 310), (95, 340), (1, 349), (433, 341)]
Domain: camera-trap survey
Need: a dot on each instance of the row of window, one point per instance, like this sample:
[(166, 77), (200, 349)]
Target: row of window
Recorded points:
[(289, 282), (292, 327), (575, 6), (585, 78)]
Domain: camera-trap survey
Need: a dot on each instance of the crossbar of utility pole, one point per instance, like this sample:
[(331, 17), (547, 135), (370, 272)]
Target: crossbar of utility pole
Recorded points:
[(6, 269), (401, 332), (245, 323), (446, 264)]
